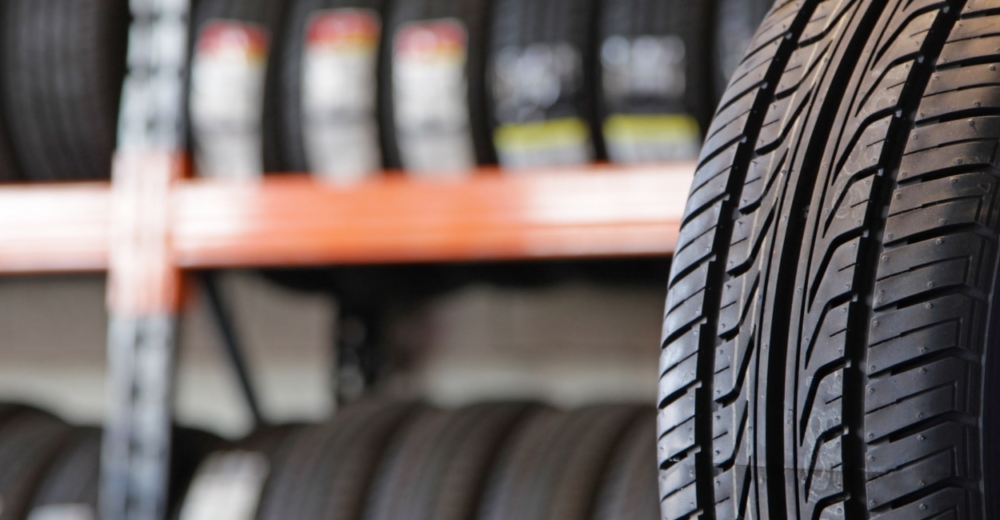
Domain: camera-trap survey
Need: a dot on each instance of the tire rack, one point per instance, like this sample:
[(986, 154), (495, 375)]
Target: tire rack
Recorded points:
[(153, 222)]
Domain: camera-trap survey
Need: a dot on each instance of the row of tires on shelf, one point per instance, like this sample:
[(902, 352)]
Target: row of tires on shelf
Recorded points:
[(345, 88), (373, 460)]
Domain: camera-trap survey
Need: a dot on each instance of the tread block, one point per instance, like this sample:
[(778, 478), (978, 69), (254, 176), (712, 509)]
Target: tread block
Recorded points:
[(935, 161), (887, 390), (912, 411)]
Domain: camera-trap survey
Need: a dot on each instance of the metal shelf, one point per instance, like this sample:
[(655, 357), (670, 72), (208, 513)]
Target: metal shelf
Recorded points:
[(295, 220)]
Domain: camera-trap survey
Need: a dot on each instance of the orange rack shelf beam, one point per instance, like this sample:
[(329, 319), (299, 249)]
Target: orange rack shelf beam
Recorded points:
[(295, 220), (54, 227)]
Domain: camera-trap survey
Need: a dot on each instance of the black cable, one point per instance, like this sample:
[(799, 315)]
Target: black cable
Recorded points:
[(231, 343)]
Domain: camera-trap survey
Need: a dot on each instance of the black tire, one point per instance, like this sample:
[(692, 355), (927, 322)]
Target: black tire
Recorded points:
[(29, 442), (629, 490), (64, 66), (472, 14), (551, 469), (736, 21), (830, 332), (247, 462), (437, 469), (656, 90), (71, 483), (189, 449), (292, 119), (326, 471), (556, 39), (267, 16)]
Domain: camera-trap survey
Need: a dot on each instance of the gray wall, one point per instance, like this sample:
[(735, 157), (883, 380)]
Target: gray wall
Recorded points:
[(567, 345)]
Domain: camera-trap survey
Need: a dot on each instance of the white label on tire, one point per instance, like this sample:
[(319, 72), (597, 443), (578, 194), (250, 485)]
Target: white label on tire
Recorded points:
[(530, 86), (339, 94), (63, 512), (430, 97), (227, 487), (643, 72), (227, 99)]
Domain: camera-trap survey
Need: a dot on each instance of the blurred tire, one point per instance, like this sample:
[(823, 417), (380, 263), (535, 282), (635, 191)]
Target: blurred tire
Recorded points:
[(326, 471), (736, 22), (630, 489), (540, 77), (552, 468), (229, 482), (233, 106), (437, 469), (324, 39), (429, 129), (64, 65), (70, 486), (656, 90), (29, 442)]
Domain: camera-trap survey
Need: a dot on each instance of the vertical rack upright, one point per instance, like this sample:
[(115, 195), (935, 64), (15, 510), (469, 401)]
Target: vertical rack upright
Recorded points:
[(143, 282)]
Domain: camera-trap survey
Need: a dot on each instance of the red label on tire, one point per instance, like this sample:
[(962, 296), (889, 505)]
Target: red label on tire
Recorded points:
[(430, 94), (339, 94), (227, 99), (242, 39)]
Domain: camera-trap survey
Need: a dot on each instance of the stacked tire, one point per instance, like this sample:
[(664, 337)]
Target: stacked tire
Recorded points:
[(437, 88), (63, 64), (348, 88), (49, 469), (399, 461)]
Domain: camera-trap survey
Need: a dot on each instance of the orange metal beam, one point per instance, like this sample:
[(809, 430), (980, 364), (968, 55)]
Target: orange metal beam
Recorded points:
[(597, 211), (54, 227)]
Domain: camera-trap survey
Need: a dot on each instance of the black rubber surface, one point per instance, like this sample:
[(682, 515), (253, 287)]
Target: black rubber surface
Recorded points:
[(528, 26), (474, 15), (552, 468), (289, 89), (73, 477), (326, 471), (437, 469), (29, 441), (64, 65), (689, 22), (830, 337), (736, 21), (629, 490), (190, 447)]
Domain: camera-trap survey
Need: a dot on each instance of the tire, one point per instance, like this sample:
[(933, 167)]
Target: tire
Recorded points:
[(64, 66), (29, 441), (189, 448), (258, 148), (552, 120), (326, 471), (630, 489), (246, 463), (438, 468), (826, 350), (294, 137), (70, 486), (471, 142), (656, 98), (736, 21), (552, 468)]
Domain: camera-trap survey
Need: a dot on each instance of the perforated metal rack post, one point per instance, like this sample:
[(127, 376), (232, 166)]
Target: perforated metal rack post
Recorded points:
[(143, 282)]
